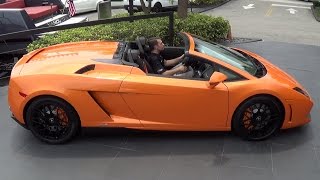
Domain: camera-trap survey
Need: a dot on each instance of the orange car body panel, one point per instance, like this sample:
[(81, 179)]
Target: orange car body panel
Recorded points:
[(116, 95), (176, 104)]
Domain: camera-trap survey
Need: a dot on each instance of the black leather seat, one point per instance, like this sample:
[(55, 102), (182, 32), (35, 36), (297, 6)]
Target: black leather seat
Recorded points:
[(143, 46), (134, 56)]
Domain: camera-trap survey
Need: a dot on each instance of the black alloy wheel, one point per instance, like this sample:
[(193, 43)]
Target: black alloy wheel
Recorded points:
[(258, 118), (52, 120)]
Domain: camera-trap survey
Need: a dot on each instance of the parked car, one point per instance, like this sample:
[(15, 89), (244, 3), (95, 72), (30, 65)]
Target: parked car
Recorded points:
[(84, 5), (21, 15), (35, 9), (156, 5), (109, 84)]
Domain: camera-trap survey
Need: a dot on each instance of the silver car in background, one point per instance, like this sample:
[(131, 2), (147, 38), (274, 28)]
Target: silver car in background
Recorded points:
[(156, 5)]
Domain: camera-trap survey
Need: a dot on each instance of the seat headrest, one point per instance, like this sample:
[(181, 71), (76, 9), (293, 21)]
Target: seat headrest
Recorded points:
[(142, 42), (133, 55)]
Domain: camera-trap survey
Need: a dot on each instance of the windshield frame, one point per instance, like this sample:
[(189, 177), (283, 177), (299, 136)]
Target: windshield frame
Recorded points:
[(226, 55), (189, 40)]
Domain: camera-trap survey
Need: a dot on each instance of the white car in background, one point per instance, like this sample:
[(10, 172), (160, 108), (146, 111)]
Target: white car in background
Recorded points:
[(156, 5), (84, 5)]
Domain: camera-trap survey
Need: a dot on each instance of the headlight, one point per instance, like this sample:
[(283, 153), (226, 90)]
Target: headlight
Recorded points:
[(301, 91)]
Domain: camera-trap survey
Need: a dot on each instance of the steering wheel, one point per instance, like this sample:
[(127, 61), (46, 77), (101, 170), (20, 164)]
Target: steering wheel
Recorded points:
[(186, 61), (189, 72)]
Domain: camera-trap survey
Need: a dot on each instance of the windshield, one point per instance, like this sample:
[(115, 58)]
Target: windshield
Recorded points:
[(225, 54)]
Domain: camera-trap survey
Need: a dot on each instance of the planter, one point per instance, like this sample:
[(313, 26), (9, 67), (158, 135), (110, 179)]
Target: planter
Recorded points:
[(316, 16)]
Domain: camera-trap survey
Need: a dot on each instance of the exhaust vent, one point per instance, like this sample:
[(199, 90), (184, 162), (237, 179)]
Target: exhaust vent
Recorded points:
[(86, 69)]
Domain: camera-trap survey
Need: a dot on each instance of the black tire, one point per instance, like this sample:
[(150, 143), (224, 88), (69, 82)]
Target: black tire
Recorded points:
[(52, 120), (157, 7), (258, 118)]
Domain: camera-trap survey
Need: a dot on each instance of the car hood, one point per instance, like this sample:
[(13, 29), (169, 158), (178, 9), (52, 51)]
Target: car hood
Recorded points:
[(274, 72), (69, 57), (280, 75)]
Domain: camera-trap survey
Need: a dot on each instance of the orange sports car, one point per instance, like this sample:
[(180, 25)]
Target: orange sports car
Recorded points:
[(55, 91)]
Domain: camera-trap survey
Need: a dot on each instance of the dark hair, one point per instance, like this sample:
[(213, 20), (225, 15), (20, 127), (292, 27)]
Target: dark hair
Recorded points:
[(152, 42)]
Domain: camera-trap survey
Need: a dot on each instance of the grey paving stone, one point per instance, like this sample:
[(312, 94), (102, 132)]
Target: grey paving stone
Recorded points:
[(3, 91), (79, 161), (5, 115), (244, 173), (136, 165), (201, 166), (177, 142), (113, 138), (239, 153), (295, 162)]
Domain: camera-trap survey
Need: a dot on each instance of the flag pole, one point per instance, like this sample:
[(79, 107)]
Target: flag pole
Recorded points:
[(64, 6)]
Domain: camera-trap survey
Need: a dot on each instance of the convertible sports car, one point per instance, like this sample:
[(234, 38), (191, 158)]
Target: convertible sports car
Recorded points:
[(55, 91)]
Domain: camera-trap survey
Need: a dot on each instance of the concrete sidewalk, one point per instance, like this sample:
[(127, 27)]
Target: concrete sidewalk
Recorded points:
[(117, 4)]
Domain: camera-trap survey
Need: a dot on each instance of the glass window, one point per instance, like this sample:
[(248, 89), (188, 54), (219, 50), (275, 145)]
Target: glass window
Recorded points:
[(232, 76), (225, 54)]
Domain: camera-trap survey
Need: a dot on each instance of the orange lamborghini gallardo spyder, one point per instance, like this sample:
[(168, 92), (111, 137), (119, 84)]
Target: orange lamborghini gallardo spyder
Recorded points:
[(55, 91)]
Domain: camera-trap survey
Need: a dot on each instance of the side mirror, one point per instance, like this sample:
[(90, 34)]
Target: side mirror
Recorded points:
[(216, 78)]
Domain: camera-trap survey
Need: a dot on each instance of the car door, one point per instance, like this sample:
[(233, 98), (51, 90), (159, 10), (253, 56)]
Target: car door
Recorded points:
[(175, 103), (82, 5)]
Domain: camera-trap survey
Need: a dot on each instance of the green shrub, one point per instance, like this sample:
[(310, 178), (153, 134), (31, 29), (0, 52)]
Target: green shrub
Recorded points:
[(316, 3), (317, 12), (212, 28)]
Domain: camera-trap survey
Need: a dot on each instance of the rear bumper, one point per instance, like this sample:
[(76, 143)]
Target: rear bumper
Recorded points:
[(16, 120)]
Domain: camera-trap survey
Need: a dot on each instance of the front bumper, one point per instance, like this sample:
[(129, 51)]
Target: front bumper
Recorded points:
[(298, 112)]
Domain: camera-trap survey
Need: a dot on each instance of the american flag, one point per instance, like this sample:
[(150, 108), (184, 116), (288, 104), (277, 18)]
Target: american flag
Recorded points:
[(72, 8)]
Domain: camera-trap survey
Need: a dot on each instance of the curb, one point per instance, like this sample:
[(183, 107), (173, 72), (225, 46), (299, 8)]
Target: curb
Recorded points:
[(314, 14), (208, 8), (117, 7), (238, 40)]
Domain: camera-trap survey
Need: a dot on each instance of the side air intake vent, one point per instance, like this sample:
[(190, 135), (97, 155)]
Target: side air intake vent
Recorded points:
[(86, 69)]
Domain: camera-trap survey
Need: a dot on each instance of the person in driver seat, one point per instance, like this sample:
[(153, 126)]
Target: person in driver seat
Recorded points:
[(159, 64)]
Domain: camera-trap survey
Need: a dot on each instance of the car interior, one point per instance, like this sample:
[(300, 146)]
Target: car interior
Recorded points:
[(136, 54)]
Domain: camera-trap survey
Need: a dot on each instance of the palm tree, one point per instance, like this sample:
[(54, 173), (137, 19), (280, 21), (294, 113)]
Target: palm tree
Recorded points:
[(145, 9), (183, 8)]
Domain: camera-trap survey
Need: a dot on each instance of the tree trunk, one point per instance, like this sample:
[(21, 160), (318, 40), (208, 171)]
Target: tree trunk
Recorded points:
[(145, 9), (183, 8)]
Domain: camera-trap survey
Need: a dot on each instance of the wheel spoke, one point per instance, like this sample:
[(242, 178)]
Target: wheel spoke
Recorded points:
[(39, 111), (37, 122), (50, 121), (260, 119)]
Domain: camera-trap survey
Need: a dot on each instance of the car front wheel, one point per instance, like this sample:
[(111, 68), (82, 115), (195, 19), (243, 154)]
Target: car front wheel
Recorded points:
[(258, 118)]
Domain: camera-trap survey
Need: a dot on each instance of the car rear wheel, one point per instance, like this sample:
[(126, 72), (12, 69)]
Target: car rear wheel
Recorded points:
[(52, 120), (258, 118)]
